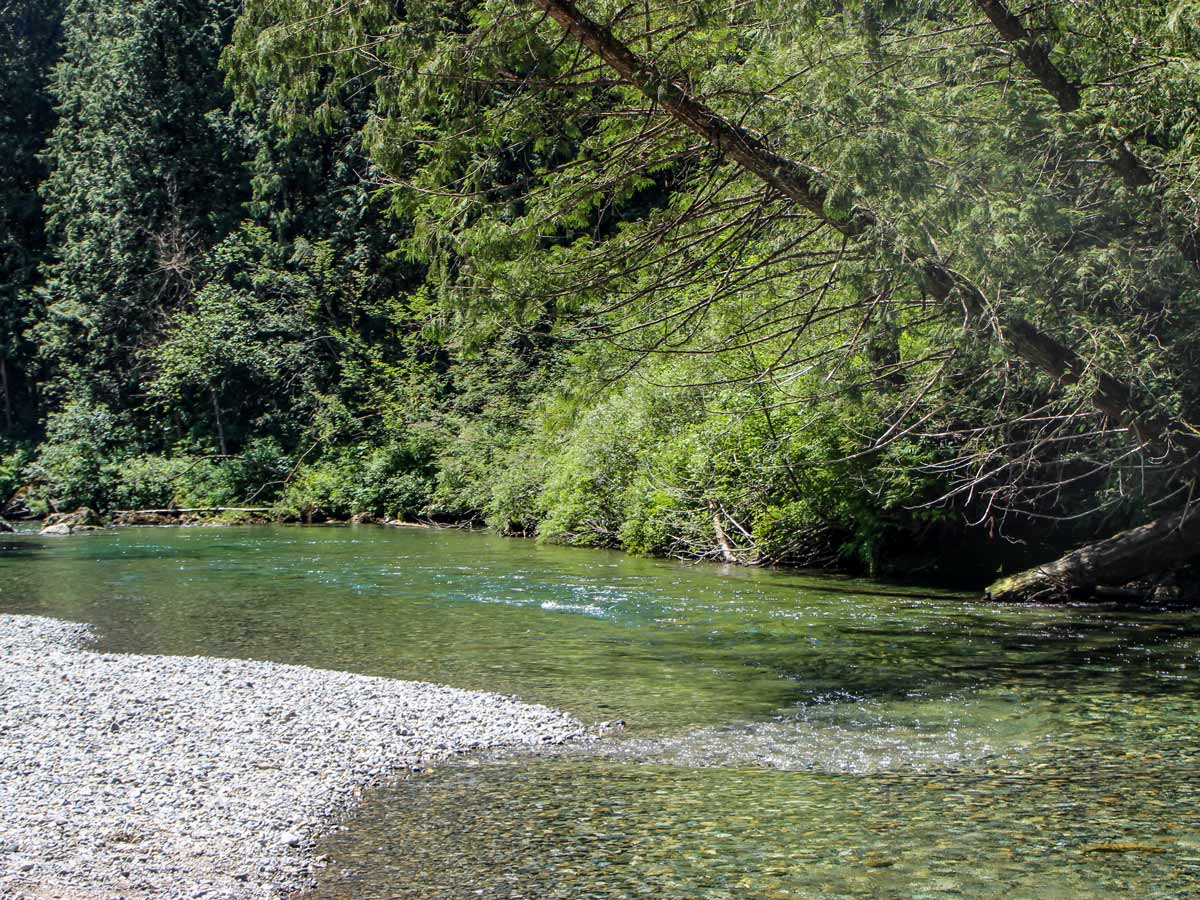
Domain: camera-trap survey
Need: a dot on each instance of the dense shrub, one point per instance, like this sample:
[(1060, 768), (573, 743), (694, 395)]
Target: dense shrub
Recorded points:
[(656, 471), (395, 480), (13, 461), (150, 482), (79, 462)]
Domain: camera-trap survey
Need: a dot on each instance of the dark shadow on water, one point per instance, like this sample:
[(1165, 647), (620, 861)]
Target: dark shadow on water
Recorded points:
[(12, 548)]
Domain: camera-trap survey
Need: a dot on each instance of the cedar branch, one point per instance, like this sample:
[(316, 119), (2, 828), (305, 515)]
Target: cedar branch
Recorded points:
[(1173, 442)]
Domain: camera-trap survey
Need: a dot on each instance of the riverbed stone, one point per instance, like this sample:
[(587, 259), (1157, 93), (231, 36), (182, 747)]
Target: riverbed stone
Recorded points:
[(57, 529), (171, 777)]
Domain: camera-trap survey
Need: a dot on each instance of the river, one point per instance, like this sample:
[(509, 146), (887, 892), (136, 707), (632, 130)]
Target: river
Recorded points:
[(785, 735)]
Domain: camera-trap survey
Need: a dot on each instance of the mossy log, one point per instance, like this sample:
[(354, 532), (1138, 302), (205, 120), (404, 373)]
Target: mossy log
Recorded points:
[(1142, 552)]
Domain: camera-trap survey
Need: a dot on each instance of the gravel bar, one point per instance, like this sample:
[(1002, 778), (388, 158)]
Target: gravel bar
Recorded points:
[(169, 777)]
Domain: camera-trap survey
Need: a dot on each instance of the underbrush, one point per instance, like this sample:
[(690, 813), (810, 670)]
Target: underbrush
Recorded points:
[(720, 474)]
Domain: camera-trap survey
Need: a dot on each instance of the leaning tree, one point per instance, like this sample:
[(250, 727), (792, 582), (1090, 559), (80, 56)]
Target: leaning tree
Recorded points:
[(990, 213)]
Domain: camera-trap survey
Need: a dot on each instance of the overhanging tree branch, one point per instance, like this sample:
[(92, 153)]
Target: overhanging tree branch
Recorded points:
[(1132, 170), (1033, 54), (799, 183), (1173, 442)]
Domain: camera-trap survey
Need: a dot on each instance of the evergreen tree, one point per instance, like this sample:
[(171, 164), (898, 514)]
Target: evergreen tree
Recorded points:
[(29, 46), (146, 174), (294, 317)]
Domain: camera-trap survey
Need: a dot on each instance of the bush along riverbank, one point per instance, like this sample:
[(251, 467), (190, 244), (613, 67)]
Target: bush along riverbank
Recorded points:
[(171, 777)]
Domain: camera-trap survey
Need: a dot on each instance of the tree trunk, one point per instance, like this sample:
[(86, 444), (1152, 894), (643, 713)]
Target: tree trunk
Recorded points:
[(1158, 546), (1036, 58), (795, 181), (4, 389), (1172, 441), (1032, 53), (220, 426)]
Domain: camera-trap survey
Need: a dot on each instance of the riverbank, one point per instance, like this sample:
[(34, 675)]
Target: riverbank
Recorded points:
[(1176, 588), (173, 777), (88, 520)]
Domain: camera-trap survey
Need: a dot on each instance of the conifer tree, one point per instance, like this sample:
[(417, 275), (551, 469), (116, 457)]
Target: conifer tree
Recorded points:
[(29, 44), (146, 174)]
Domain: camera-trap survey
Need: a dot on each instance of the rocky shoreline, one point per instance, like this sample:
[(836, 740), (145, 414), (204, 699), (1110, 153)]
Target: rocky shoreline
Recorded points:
[(191, 777)]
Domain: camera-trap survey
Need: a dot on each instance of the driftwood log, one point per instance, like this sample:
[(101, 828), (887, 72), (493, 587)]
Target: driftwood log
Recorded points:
[(1156, 547), (728, 553), (205, 510)]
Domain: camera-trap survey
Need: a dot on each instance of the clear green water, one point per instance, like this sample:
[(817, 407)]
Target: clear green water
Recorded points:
[(788, 736)]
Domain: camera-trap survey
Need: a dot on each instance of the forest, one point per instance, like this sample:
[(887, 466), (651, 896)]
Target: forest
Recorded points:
[(903, 289)]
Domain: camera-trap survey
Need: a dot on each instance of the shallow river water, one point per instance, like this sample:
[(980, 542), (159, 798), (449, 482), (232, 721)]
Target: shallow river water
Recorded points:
[(785, 736)]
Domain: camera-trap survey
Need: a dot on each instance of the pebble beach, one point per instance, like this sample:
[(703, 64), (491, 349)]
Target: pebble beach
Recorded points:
[(192, 777)]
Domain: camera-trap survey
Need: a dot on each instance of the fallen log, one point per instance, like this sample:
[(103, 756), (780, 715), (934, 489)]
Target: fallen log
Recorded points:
[(728, 554), (203, 510), (1092, 570)]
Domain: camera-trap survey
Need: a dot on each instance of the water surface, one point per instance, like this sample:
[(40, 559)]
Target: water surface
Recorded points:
[(785, 735)]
